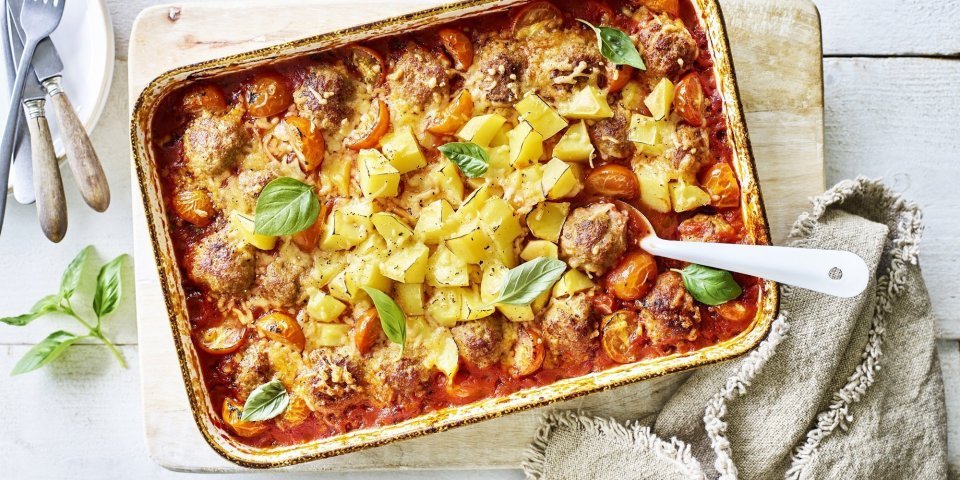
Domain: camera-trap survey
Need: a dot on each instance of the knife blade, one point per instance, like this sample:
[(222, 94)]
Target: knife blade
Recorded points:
[(22, 175)]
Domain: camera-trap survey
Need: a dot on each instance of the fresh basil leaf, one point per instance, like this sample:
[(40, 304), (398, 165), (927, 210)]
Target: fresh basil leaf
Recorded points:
[(109, 288), (392, 319), (709, 285), (48, 304), (526, 282), (470, 157), (286, 206), (616, 46), (45, 352), (265, 402), (71, 276)]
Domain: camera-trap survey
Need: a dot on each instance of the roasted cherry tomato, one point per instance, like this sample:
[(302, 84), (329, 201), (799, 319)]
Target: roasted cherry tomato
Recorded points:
[(739, 309), (620, 336), (722, 184), (222, 338), (528, 352), (592, 11), (663, 6), (204, 97), (603, 303), (282, 328), (613, 180), (688, 100), (307, 142), (458, 45), (618, 77), (231, 416), (267, 94), (455, 115), (194, 206), (535, 18), (367, 331), (633, 277), (372, 128), (369, 63), (308, 239), (295, 414), (466, 390)]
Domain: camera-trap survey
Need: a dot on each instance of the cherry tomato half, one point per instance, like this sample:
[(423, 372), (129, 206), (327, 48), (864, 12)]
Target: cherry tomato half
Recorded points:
[(204, 97), (620, 334), (369, 63), (372, 129), (295, 414), (194, 206), (458, 45), (613, 180), (536, 17), (455, 115), (528, 352), (618, 76), (367, 331), (222, 338), (267, 94), (688, 100), (633, 277), (307, 142), (663, 6), (308, 239), (282, 328), (592, 11), (231, 412), (722, 184)]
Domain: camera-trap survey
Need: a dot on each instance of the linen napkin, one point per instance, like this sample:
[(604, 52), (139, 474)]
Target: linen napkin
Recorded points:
[(811, 401)]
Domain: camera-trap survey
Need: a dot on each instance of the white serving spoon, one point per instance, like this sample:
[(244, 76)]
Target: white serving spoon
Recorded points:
[(834, 272)]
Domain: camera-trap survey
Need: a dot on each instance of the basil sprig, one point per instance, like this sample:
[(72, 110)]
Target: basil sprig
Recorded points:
[(526, 282), (616, 46), (392, 319), (286, 206), (709, 285), (106, 299), (265, 402), (470, 157)]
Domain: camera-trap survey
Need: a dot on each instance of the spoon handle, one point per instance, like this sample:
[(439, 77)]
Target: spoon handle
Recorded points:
[(834, 272)]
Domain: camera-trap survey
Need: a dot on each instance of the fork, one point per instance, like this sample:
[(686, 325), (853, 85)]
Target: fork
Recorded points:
[(39, 18)]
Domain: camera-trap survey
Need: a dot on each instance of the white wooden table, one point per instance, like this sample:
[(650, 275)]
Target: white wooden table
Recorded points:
[(891, 72)]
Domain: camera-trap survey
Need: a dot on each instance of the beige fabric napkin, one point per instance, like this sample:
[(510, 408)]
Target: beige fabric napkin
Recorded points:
[(812, 401)]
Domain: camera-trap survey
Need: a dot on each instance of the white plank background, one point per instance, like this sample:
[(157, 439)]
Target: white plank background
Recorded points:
[(892, 110)]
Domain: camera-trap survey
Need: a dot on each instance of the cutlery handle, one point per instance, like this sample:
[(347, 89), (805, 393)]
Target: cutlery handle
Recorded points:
[(6, 142), (81, 156), (23, 166), (834, 272), (51, 204)]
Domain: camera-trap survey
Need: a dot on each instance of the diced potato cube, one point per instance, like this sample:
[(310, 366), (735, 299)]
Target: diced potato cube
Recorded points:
[(572, 282), (560, 179), (324, 307), (660, 99), (493, 275), (544, 119), (526, 145), (402, 149), (500, 139), (522, 187), (546, 220), (473, 308), (431, 221), (503, 227), (468, 210), (540, 302), (481, 129), (470, 243), (654, 191), (245, 226), (632, 96), (365, 272), (447, 356), (378, 178), (687, 197), (410, 297), (341, 232), (589, 103), (337, 170), (445, 306), (331, 335), (408, 265), (444, 269), (324, 269), (643, 129), (338, 287), (539, 248), (448, 182), (392, 229), (574, 145)]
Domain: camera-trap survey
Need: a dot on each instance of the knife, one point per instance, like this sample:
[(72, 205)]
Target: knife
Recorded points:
[(22, 163), (81, 156)]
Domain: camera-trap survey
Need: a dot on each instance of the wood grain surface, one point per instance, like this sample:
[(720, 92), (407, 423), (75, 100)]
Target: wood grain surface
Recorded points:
[(51, 203), (776, 49), (81, 156)]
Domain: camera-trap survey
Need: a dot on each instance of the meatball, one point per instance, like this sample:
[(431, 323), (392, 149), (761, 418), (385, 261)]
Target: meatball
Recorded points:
[(390, 378), (324, 95), (706, 228), (214, 143), (690, 149), (668, 48), (610, 135), (221, 264), (570, 329), (248, 368), (332, 378), (594, 237), (280, 279), (669, 313), (416, 75), (481, 342), (408, 378), (504, 71)]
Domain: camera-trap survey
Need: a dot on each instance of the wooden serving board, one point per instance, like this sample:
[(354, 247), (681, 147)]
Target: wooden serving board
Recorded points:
[(777, 55)]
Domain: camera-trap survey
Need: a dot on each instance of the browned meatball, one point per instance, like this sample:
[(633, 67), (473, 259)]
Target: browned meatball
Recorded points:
[(706, 228), (408, 378), (667, 46), (221, 264), (690, 149), (669, 314), (215, 143), (594, 237), (279, 280), (570, 329), (609, 135), (417, 75), (480, 341), (332, 377), (325, 95), (247, 368), (504, 72)]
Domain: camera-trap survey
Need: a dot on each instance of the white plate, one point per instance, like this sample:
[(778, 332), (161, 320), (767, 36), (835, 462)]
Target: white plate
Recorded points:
[(85, 42)]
